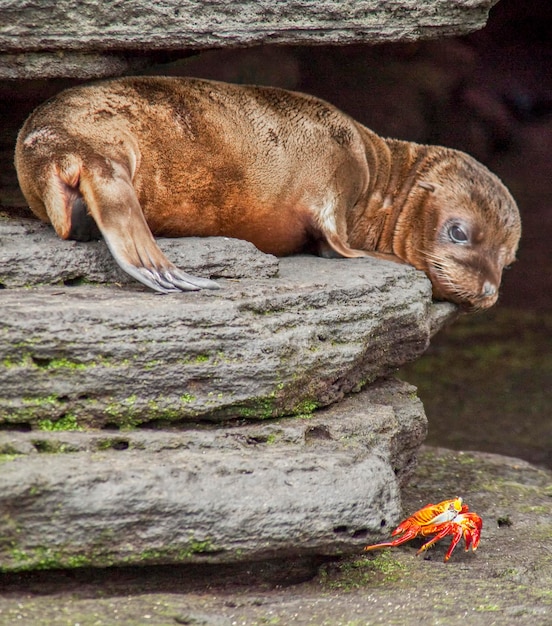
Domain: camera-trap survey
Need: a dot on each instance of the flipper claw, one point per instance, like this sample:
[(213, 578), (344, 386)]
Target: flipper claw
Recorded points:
[(187, 282), (167, 281)]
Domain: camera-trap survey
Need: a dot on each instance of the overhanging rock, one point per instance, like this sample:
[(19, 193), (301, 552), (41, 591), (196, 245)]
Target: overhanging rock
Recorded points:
[(90, 39)]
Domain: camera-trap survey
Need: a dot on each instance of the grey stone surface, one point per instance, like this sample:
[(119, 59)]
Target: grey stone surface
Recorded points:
[(32, 254), (121, 30), (291, 487), (82, 65), (98, 356), (506, 582)]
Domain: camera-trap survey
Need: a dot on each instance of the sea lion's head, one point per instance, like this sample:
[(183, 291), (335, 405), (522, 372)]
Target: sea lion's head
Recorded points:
[(471, 229)]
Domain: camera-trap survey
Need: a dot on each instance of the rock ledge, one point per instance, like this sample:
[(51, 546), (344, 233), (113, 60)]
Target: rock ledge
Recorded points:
[(145, 429), (49, 39)]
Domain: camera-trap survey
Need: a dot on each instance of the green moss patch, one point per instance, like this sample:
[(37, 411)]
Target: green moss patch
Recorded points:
[(66, 423), (355, 573)]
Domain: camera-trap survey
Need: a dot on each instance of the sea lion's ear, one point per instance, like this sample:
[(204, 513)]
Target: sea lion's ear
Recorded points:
[(428, 186)]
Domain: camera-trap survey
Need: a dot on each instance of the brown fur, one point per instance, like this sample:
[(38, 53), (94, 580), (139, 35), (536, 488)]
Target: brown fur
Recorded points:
[(177, 157)]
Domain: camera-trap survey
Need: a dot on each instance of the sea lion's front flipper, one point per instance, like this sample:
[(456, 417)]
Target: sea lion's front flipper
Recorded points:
[(113, 204), (333, 247)]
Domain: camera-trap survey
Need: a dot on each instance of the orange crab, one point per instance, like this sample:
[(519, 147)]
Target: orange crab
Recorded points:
[(449, 517)]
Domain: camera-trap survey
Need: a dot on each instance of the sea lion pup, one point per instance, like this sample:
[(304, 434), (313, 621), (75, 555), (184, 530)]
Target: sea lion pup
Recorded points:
[(179, 156)]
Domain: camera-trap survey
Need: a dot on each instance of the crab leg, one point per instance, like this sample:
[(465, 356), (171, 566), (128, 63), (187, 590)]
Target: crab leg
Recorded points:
[(411, 534), (448, 529)]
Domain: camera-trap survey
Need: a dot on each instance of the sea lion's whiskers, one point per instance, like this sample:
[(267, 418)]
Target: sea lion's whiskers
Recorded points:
[(435, 259), (444, 269)]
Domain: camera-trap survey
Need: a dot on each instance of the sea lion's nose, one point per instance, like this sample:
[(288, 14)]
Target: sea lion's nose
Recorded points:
[(488, 290)]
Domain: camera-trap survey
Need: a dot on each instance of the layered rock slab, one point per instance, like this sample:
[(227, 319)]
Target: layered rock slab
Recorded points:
[(286, 488), (97, 356), (90, 39), (143, 429), (507, 581)]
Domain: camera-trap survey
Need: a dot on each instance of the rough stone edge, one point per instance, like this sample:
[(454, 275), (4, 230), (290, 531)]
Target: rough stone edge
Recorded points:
[(306, 363)]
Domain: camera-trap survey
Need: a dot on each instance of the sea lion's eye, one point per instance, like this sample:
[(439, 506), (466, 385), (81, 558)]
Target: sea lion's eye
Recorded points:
[(457, 234)]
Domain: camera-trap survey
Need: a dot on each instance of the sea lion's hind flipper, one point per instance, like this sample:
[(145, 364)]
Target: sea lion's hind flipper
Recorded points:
[(113, 204), (326, 251), (165, 281), (59, 197)]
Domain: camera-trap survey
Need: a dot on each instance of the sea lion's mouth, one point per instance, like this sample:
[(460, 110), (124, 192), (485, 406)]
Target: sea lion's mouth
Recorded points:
[(477, 304), (455, 285), (467, 302)]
